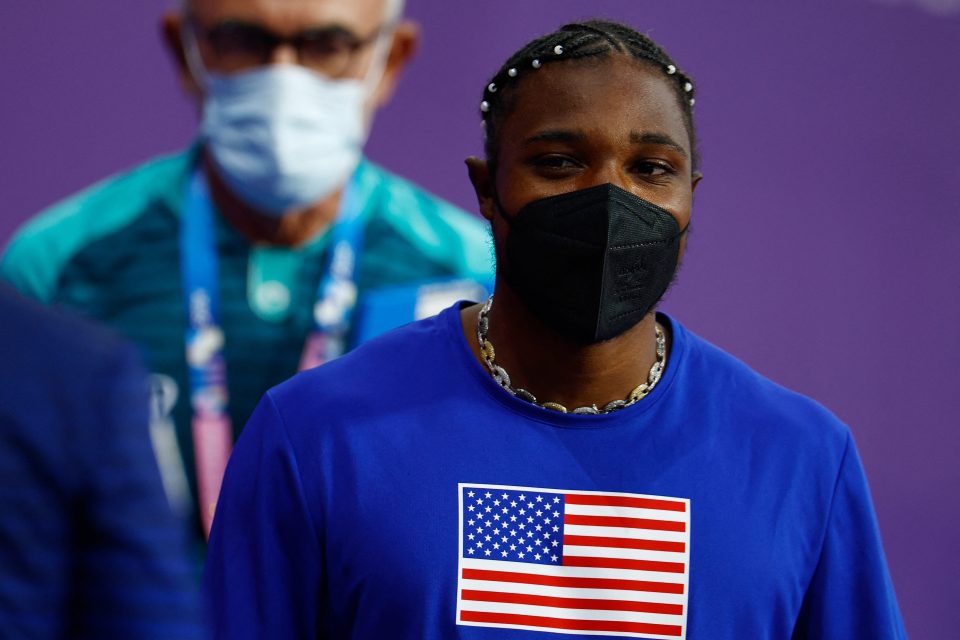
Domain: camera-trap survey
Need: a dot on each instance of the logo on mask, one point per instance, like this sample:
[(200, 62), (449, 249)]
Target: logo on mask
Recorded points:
[(631, 279)]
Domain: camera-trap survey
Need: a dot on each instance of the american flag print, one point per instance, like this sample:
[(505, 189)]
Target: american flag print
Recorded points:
[(576, 562)]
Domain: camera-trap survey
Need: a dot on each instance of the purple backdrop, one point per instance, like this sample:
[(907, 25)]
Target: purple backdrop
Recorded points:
[(827, 231)]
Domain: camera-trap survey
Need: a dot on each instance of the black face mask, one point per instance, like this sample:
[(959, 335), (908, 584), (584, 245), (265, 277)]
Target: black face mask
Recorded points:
[(592, 263)]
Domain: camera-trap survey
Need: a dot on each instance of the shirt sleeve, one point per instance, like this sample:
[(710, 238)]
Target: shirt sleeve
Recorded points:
[(263, 572), (851, 594)]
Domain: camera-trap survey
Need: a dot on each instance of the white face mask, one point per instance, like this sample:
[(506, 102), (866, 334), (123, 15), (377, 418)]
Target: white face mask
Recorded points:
[(282, 136)]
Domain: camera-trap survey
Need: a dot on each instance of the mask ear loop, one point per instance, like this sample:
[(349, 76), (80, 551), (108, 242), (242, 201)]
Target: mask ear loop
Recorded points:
[(191, 51), (498, 207), (373, 76), (381, 51)]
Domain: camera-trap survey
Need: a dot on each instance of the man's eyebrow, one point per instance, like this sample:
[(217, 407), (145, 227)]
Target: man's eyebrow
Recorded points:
[(566, 135), (328, 29), (657, 138), (558, 135), (332, 29)]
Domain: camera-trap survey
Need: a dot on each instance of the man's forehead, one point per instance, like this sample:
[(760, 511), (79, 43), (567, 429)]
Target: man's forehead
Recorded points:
[(632, 95), (294, 15)]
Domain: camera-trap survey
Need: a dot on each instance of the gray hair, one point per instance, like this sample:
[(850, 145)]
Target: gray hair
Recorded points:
[(392, 11)]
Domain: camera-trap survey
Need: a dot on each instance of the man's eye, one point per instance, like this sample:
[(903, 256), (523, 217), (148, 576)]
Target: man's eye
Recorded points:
[(329, 42), (555, 162), (653, 168), (232, 38)]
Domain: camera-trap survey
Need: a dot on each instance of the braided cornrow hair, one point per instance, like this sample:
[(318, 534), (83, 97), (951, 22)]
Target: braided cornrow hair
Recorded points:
[(578, 40)]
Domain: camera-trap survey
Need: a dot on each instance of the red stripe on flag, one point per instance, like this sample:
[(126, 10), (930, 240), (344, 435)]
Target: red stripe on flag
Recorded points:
[(573, 603), (572, 582), (571, 625), (624, 543), (625, 501), (623, 563), (628, 523)]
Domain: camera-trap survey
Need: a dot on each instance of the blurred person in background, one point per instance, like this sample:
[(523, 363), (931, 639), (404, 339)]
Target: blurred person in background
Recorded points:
[(271, 244), (89, 547)]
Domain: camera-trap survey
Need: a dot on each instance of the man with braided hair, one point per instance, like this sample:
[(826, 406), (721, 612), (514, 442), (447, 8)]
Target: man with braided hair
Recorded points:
[(563, 459)]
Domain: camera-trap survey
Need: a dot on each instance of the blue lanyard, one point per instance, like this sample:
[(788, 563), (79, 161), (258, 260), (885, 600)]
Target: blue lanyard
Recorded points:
[(333, 310), (211, 427), (199, 268), (337, 292)]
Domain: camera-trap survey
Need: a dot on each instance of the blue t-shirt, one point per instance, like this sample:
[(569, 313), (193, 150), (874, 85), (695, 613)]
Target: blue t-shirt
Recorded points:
[(399, 492)]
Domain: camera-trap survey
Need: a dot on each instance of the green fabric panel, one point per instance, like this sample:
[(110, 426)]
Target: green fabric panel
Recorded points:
[(435, 229), (39, 251)]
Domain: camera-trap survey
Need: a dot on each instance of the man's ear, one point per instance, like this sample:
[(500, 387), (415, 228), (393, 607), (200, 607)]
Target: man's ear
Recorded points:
[(695, 180), (479, 172), (406, 41), (171, 28)]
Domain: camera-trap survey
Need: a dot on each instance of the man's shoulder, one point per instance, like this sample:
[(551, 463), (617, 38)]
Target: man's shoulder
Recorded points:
[(387, 371), (437, 229), (40, 249), (755, 405)]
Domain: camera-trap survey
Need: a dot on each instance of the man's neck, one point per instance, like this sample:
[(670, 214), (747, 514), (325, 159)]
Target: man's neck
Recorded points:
[(292, 229), (554, 369)]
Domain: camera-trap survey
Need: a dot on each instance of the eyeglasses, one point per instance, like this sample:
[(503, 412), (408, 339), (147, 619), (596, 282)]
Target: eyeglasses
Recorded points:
[(238, 46)]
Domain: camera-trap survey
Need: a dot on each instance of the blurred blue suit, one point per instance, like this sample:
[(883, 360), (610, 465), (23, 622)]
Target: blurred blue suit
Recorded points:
[(88, 545)]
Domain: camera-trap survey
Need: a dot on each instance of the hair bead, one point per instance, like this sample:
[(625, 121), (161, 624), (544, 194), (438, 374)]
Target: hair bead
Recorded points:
[(688, 87), (484, 106), (512, 72), (535, 64), (492, 87), (558, 50), (671, 69)]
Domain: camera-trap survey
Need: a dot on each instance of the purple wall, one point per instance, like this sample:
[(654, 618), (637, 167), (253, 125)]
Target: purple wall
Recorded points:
[(827, 244)]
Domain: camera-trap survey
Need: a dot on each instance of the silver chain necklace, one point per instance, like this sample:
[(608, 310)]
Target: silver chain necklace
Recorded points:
[(502, 378)]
